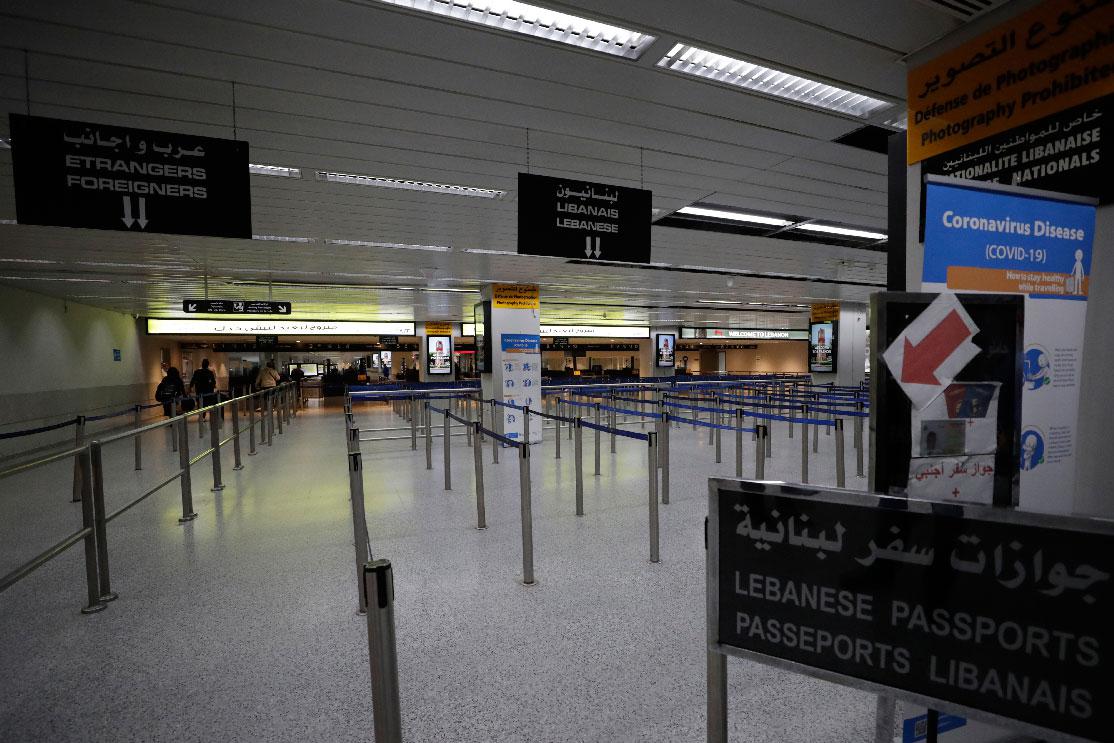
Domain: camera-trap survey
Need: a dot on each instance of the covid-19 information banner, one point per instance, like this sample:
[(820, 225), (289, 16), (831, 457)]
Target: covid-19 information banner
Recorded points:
[(982, 238)]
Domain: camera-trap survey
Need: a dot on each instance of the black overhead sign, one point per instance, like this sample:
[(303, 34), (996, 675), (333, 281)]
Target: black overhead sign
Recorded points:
[(977, 609), (77, 174), (388, 340), (234, 307), (1069, 152), (266, 341), (578, 219)]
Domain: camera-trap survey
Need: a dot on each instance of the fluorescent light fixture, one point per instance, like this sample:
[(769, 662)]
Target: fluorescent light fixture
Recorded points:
[(397, 246), (485, 251), (717, 301), (26, 260), (692, 60), (191, 326), (55, 278), (897, 121), (382, 182), (278, 171), (699, 211), (542, 23), (829, 229), (131, 265), (444, 289), (283, 238)]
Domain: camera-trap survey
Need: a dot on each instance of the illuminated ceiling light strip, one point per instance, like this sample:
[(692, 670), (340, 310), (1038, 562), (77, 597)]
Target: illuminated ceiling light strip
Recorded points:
[(717, 301), (543, 23), (283, 238), (699, 211), (485, 251), (55, 278), (26, 260), (279, 171), (844, 231), (396, 246), (702, 63), (382, 182)]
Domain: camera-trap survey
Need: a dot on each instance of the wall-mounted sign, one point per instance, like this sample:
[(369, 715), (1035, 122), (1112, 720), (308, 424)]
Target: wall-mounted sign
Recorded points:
[(160, 326), (993, 614), (559, 343), (107, 177), (822, 346), (1056, 56), (515, 296), (595, 331), (760, 334), (266, 342), (580, 219), (439, 354), (1065, 152), (234, 307), (438, 328), (388, 340), (824, 312), (666, 348)]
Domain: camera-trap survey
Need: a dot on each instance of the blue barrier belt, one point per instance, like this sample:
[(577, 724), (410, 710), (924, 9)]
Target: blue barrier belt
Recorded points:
[(616, 431), (41, 429)]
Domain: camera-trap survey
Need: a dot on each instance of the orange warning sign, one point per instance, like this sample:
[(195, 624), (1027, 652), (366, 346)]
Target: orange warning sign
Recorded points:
[(515, 296)]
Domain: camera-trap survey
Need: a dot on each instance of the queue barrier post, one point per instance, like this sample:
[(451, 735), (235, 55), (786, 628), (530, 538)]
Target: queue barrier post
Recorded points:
[(359, 522), (214, 443), (78, 470), (174, 428), (816, 437), (804, 444), (614, 418), (525, 410), (760, 452), (655, 527), (596, 431), (268, 407), (557, 438), (200, 418), (859, 444), (414, 422), (527, 514), (237, 460), (841, 469), (578, 456), (138, 439), (251, 425), (717, 696), (466, 410), (494, 441), (570, 425), (448, 454), (426, 419), (379, 588), (88, 523), (739, 442), (188, 514), (100, 522), (716, 432), (663, 457), (477, 460)]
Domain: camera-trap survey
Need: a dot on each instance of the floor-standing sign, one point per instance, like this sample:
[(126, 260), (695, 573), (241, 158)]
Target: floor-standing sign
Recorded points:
[(516, 375), (983, 237)]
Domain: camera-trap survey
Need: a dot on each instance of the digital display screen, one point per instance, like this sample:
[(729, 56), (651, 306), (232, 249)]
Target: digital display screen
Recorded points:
[(385, 356), (481, 315), (822, 346), (666, 348), (439, 354)]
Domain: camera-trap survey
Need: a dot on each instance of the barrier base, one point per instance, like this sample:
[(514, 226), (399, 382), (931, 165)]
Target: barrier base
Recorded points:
[(93, 609), (187, 519), (110, 596), (217, 489)]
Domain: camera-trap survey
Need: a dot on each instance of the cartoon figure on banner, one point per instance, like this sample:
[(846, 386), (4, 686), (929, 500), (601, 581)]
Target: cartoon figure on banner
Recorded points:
[(1032, 449), (1075, 283), (1038, 370)]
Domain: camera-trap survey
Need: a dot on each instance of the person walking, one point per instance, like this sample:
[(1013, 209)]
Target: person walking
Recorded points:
[(170, 389), (267, 380), (203, 383)]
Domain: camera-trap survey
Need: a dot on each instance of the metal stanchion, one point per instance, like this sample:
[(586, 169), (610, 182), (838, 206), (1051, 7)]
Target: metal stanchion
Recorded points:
[(100, 522), (859, 444), (188, 513), (578, 455), (597, 433), (174, 427), (769, 439), (428, 437), (270, 418), (525, 410), (816, 438), (200, 418), (466, 411), (719, 439), (494, 441), (379, 587), (138, 439), (804, 444), (88, 521), (614, 417), (214, 443), (527, 514), (760, 453), (78, 472), (237, 462), (414, 422), (251, 426), (652, 456), (359, 518), (477, 457), (739, 443), (663, 457), (717, 697), (557, 438), (448, 455), (841, 474)]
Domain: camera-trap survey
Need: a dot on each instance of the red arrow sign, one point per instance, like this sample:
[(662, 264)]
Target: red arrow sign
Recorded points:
[(922, 360)]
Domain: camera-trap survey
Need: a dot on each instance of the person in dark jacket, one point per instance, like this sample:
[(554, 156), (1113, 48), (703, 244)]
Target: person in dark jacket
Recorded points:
[(204, 384), (170, 389)]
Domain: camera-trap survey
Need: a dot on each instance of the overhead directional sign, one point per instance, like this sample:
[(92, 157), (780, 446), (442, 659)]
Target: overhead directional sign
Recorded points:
[(579, 219), (78, 174), (235, 307), (935, 347)]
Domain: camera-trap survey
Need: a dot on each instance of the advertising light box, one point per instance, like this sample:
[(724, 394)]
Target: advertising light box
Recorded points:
[(821, 346), (665, 357), (439, 354)]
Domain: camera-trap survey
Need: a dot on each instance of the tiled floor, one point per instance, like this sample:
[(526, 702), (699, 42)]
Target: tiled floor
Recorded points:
[(242, 625)]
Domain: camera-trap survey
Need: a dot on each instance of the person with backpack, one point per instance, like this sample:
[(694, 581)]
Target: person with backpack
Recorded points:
[(170, 389)]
